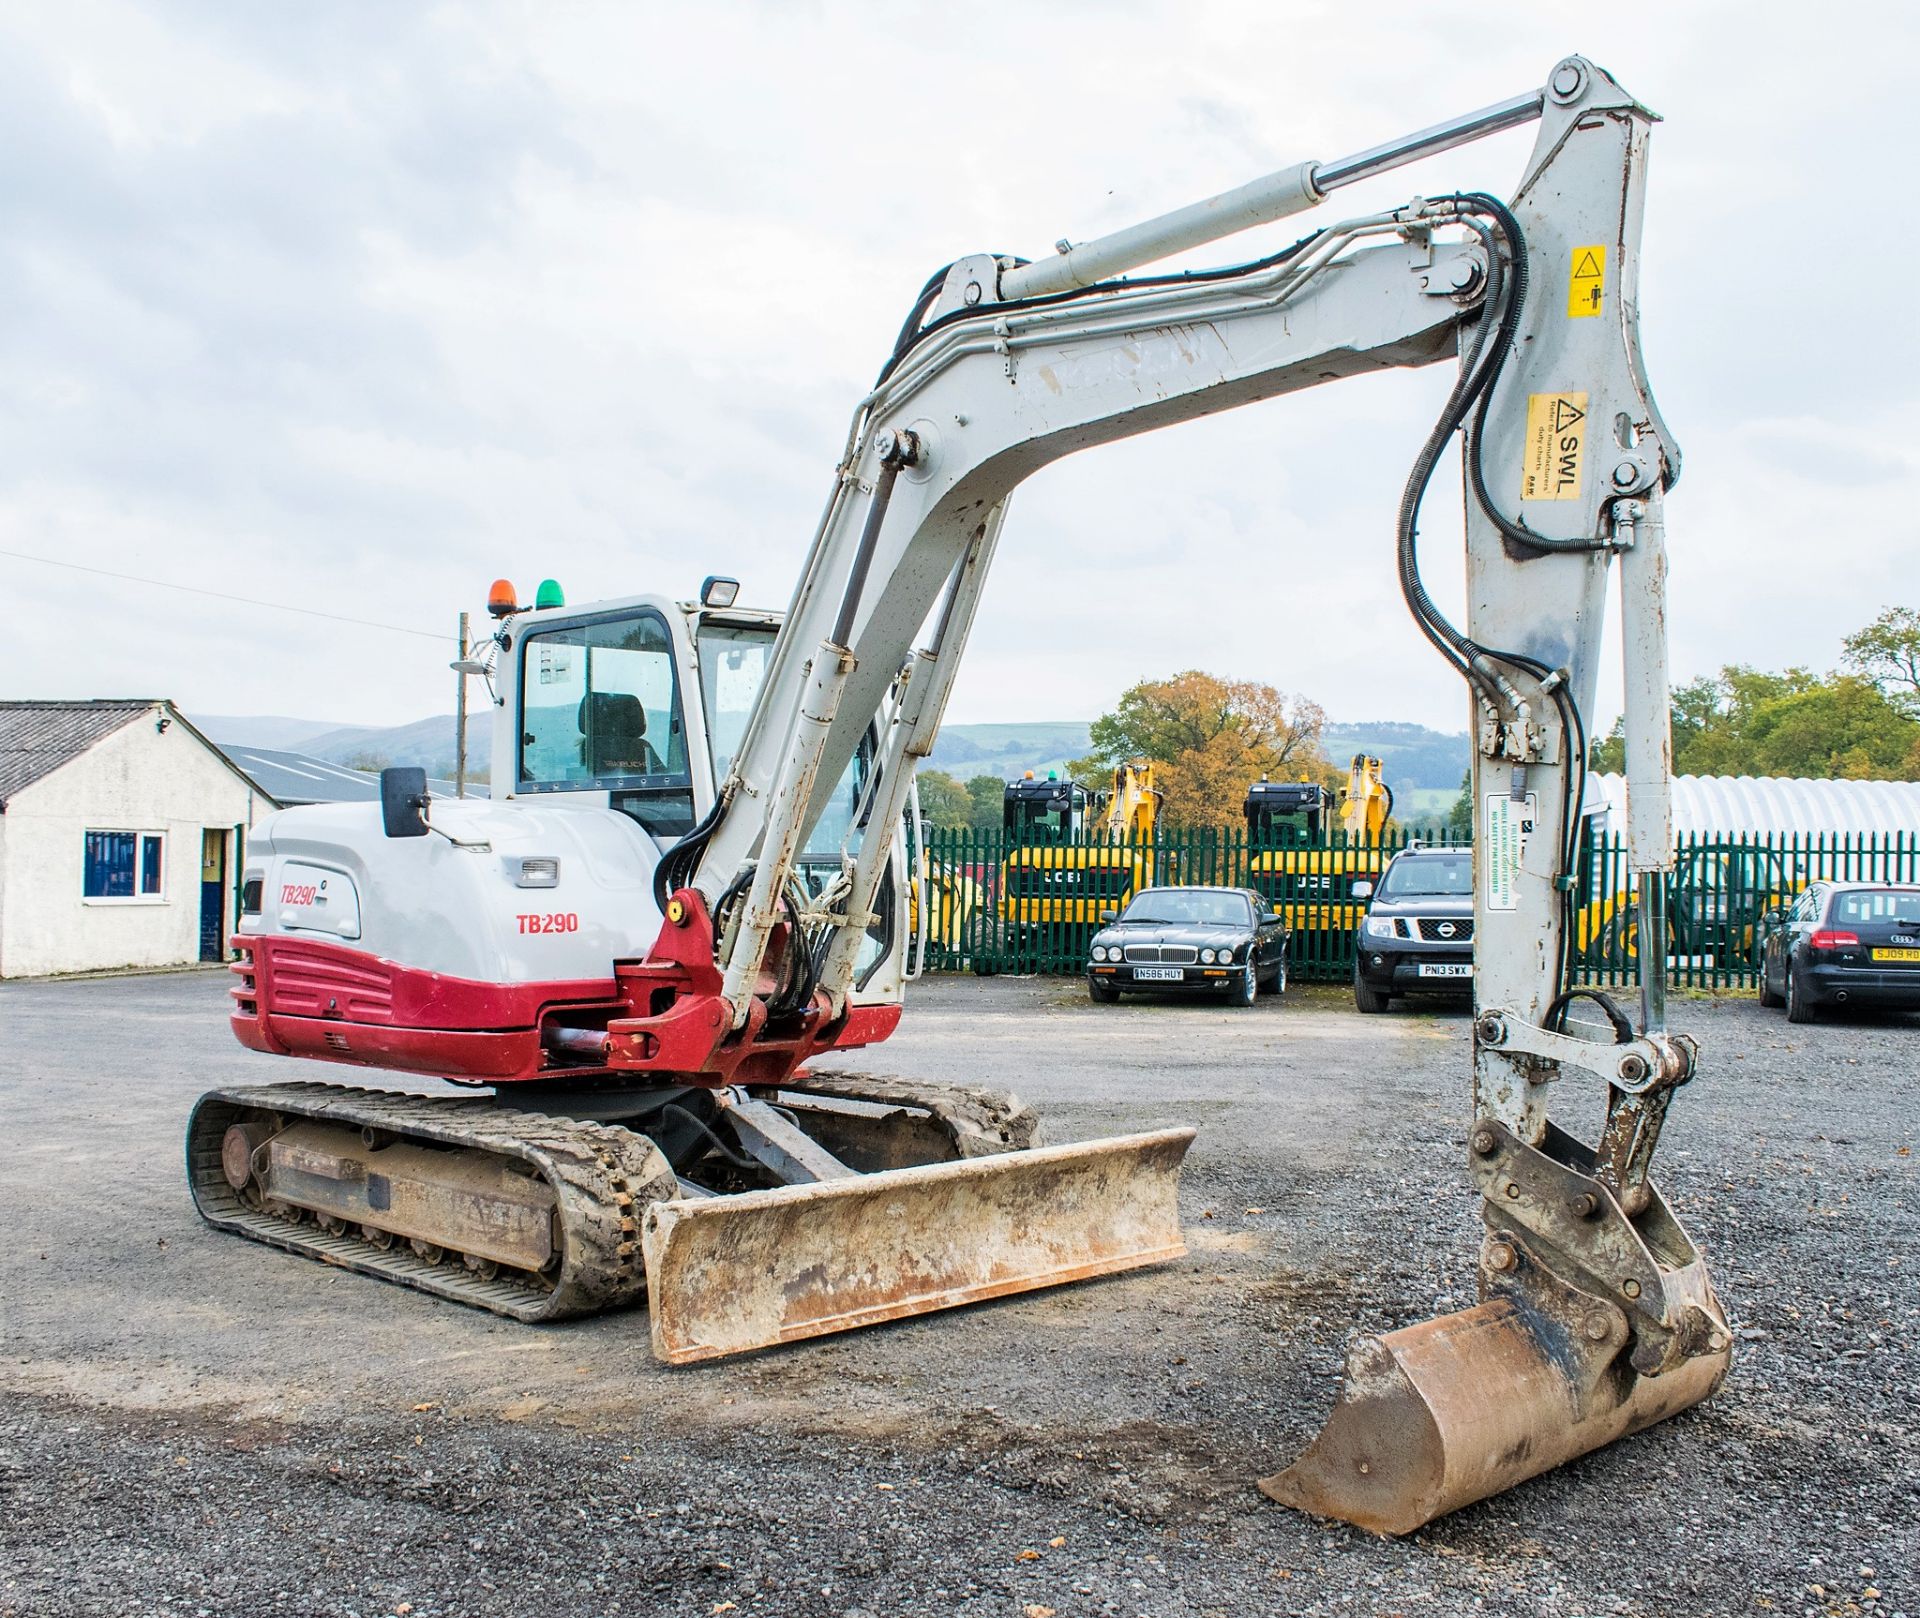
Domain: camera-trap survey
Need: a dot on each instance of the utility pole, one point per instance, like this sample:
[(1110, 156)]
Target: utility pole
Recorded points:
[(460, 719)]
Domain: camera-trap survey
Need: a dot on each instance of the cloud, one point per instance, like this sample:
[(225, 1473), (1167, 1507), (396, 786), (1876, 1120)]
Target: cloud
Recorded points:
[(364, 305)]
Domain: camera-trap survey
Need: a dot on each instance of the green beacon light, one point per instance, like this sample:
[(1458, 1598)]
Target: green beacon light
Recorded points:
[(549, 594)]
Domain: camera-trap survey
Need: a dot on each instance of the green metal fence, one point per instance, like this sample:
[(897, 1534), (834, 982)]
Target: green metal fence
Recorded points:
[(1718, 895), (995, 904), (1000, 905)]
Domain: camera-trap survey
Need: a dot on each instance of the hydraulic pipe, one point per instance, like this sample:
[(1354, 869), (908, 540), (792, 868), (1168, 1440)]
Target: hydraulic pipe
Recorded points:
[(1260, 202), (1393, 154)]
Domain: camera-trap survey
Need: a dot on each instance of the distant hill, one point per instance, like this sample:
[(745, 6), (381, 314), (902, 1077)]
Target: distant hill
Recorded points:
[(1422, 766), (263, 730), (428, 743), (1411, 753), (964, 751)]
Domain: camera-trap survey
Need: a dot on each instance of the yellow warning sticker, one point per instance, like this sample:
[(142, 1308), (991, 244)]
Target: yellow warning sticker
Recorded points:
[(1586, 286), (1555, 446)]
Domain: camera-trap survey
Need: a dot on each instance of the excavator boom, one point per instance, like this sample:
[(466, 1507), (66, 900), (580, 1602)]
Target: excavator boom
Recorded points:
[(1597, 1315)]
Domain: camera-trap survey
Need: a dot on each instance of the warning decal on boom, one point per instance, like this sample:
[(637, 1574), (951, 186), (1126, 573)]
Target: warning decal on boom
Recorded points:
[(1586, 287), (1555, 446)]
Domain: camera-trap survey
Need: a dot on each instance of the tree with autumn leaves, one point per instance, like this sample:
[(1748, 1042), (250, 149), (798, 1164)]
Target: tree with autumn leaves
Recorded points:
[(1213, 738)]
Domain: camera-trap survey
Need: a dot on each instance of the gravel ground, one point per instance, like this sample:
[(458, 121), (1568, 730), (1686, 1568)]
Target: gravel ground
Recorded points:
[(195, 1425)]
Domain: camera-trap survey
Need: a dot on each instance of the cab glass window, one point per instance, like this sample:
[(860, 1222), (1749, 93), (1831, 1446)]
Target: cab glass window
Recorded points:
[(733, 667), (600, 706)]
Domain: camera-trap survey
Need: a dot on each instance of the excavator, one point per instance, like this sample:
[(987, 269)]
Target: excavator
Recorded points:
[(1057, 877), (687, 884), (1367, 803)]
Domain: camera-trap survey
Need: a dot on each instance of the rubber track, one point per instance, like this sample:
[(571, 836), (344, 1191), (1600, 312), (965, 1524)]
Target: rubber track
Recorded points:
[(981, 1121), (603, 1178)]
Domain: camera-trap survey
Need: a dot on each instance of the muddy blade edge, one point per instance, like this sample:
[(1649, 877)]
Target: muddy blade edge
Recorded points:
[(726, 1275)]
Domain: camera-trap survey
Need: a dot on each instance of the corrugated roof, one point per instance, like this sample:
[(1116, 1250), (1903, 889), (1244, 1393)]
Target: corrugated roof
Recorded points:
[(36, 738), (1708, 805), (295, 778)]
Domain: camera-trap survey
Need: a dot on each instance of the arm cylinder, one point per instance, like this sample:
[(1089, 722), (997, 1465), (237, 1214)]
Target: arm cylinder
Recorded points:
[(1648, 729)]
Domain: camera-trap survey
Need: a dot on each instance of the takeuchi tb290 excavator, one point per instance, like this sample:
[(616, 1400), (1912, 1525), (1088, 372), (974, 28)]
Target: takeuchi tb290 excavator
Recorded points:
[(687, 886)]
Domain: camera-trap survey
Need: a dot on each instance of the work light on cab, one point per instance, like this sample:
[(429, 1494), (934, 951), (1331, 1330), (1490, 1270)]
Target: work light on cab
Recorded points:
[(549, 595), (502, 601)]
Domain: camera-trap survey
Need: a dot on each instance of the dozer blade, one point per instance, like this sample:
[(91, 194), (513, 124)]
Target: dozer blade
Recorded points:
[(731, 1273), (1435, 1416)]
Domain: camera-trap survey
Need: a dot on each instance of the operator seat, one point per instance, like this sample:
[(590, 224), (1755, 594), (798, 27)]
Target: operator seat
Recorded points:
[(613, 735)]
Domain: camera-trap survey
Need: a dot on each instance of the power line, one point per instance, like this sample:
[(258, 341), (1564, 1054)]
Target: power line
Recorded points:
[(221, 595)]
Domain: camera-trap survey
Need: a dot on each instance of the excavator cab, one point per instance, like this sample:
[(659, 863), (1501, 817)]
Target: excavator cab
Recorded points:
[(1049, 811), (1285, 813)]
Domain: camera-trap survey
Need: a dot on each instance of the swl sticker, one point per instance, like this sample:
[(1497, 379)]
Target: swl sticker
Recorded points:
[(1555, 446)]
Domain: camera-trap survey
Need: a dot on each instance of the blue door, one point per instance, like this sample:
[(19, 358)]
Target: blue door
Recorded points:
[(213, 895)]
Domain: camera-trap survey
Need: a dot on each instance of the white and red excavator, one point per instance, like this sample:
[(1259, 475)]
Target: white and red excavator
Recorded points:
[(687, 886)]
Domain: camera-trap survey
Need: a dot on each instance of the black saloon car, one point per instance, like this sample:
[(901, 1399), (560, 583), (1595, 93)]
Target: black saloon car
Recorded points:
[(1842, 944), (1217, 941), (1417, 935)]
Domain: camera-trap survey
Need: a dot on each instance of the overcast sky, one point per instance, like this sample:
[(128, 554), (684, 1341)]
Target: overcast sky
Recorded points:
[(356, 307)]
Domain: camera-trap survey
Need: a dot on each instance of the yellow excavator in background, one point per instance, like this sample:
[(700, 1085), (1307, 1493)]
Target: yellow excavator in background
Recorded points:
[(1289, 860), (1133, 808), (1055, 880), (1367, 804)]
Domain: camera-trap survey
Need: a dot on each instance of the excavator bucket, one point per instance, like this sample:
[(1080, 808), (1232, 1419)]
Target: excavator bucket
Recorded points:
[(727, 1274), (1436, 1416)]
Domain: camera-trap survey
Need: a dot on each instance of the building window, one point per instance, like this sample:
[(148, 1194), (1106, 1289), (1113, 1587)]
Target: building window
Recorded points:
[(123, 865)]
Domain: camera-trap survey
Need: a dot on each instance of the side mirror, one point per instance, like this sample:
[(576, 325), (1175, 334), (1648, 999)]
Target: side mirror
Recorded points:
[(1774, 916), (1362, 889), (1108, 915), (403, 801)]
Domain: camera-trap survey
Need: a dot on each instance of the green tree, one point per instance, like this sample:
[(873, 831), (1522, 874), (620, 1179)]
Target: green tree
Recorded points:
[(1887, 652), (1215, 738), (986, 794), (1460, 816), (1746, 721), (944, 802)]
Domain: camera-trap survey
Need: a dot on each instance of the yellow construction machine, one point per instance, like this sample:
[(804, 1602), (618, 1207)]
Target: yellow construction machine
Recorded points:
[(686, 889), (1058, 876), (1366, 805)]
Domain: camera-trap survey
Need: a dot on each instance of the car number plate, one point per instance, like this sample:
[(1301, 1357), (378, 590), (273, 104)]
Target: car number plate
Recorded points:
[(1445, 971), (1897, 955), (1158, 974)]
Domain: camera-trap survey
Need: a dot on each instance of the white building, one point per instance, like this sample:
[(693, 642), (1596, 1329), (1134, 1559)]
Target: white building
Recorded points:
[(1777, 805), (122, 831)]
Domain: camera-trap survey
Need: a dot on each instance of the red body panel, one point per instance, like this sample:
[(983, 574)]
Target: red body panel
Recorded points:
[(663, 1016)]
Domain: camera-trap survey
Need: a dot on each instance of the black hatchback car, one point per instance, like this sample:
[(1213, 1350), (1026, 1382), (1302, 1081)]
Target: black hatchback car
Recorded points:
[(1417, 935), (1216, 941), (1842, 944)]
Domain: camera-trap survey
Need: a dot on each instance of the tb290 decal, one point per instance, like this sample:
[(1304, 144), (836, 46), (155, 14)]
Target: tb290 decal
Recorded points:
[(555, 921)]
